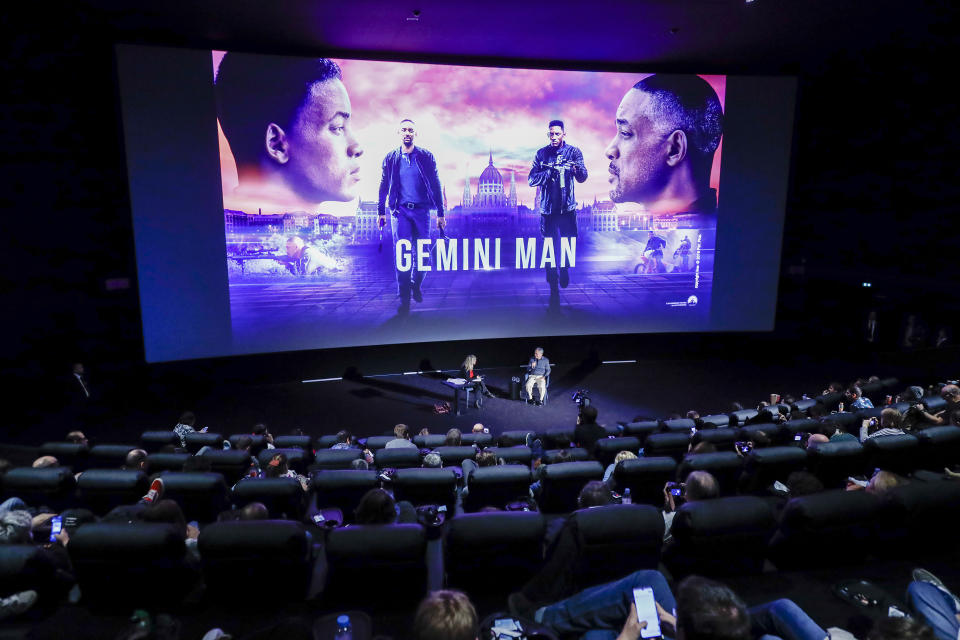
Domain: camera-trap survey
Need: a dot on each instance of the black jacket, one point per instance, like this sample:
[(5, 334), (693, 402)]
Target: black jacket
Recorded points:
[(543, 175), (390, 180)]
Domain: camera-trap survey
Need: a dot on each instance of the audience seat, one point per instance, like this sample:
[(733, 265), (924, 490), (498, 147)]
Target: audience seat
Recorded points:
[(108, 456), (616, 540), (897, 453), (335, 458), (645, 477), (920, 518), (825, 529), (480, 440), (453, 456), (720, 537), (396, 554), (193, 442), (801, 425), (53, 487), (493, 553), (294, 442), (397, 458), (716, 420), (679, 424), (342, 489), (27, 567), (426, 486), (738, 418), (327, 441), (939, 447), (429, 442), (763, 467), (558, 438), (378, 442), (607, 449), (674, 445), (257, 561), (935, 404), (874, 391), (722, 438), (515, 438), (160, 462), (67, 454), (231, 463), (642, 429), (100, 490), (829, 401), (257, 442), (834, 462), (844, 421), (803, 405), (513, 455), (297, 459), (153, 441), (201, 495), (725, 466), (496, 486), (561, 483), (775, 432), (126, 566), (575, 454), (890, 385)]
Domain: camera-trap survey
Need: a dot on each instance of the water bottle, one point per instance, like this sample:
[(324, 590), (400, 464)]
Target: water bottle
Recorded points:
[(344, 628), (626, 496)]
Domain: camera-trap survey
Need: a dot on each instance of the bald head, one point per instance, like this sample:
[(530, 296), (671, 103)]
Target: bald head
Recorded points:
[(816, 439), (701, 485)]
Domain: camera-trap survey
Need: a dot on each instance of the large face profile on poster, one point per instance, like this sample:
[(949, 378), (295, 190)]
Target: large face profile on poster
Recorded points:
[(378, 202)]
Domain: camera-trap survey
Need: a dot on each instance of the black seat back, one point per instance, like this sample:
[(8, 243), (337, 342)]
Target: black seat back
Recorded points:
[(297, 459), (493, 553), (26, 567), (773, 431), (607, 449), (573, 454), (335, 458), (231, 463), (513, 455), (108, 456), (193, 442), (679, 425), (939, 447), (722, 438), (103, 489), (558, 438), (257, 442), (479, 439), (515, 438), (237, 557), (397, 458), (54, 486), (426, 486), (453, 456), (616, 540), (201, 495), (327, 441), (834, 462), (378, 442), (342, 489), (561, 483), (645, 477), (67, 454), (718, 420), (898, 453), (430, 442), (160, 462), (294, 442), (642, 429), (763, 467), (740, 417), (496, 486), (674, 445), (920, 518), (284, 498), (725, 466), (153, 441)]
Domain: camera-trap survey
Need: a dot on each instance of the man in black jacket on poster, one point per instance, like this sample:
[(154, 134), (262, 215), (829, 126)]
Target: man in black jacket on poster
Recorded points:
[(554, 170), (409, 189)]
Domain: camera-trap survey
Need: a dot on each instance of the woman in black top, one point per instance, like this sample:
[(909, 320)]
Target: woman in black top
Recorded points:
[(467, 373)]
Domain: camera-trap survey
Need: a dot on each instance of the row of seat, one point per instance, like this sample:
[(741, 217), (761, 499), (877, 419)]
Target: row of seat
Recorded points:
[(493, 553)]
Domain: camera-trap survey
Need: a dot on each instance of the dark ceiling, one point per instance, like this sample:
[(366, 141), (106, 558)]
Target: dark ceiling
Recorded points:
[(764, 36)]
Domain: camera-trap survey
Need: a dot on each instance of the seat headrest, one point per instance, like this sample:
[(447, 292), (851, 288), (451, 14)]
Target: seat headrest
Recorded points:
[(377, 541), (667, 440), (574, 454), (51, 478), (453, 455), (708, 461), (194, 481), (121, 541), (256, 441), (619, 520), (431, 441), (479, 439), (159, 436), (777, 455), (168, 460), (679, 424), (111, 479), (424, 476), (655, 464), (504, 473), (397, 454), (496, 527), (717, 420), (892, 443), (254, 538), (266, 487), (623, 443), (739, 514), (836, 449), (294, 456), (325, 479), (379, 442), (293, 442), (829, 507), (63, 449), (521, 454), (112, 450), (742, 416), (198, 440), (939, 435), (588, 469)]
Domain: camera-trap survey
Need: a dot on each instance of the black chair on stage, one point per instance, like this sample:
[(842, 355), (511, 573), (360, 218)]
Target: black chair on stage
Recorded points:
[(811, 526), (67, 454), (493, 553), (294, 442), (193, 442), (397, 458), (513, 455), (561, 483), (297, 459), (674, 445), (100, 490), (616, 540), (53, 487), (725, 466), (645, 477), (121, 566), (237, 556), (201, 495), (607, 449), (108, 456), (496, 487), (897, 453), (426, 486), (153, 441), (720, 537), (834, 462), (341, 489), (335, 459)]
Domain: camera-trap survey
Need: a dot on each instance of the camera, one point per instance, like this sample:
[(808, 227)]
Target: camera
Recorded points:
[(675, 489), (581, 397), (743, 446)]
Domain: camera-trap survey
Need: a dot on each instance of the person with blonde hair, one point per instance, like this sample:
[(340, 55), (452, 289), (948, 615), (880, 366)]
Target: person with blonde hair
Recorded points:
[(473, 379), (623, 455)]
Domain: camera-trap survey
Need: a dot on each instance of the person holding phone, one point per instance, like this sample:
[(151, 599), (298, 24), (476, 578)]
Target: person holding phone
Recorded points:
[(700, 485), (472, 378)]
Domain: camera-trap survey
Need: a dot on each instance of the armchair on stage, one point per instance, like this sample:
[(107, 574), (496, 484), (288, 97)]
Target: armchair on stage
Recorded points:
[(523, 389)]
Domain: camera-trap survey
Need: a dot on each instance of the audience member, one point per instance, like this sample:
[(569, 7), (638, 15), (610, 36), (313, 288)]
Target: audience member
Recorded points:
[(479, 428), (425, 431), (185, 425), (620, 457), (245, 443), (250, 511), (700, 485), (588, 431), (260, 429), (432, 461), (815, 439), (45, 462), (360, 465), (344, 440), (279, 467), (77, 437), (932, 602), (855, 400), (889, 424), (445, 615), (453, 438), (880, 483), (402, 438), (378, 507), (136, 460)]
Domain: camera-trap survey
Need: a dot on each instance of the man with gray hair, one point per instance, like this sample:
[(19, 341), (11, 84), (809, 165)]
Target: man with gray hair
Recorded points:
[(668, 129), (538, 369)]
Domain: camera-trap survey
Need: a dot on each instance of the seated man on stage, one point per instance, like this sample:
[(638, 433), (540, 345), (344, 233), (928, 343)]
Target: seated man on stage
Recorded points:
[(538, 369)]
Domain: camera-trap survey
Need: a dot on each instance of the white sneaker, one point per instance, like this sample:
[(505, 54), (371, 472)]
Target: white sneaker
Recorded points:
[(16, 604)]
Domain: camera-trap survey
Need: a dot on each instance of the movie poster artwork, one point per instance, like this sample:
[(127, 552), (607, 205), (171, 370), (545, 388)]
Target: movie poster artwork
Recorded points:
[(617, 233)]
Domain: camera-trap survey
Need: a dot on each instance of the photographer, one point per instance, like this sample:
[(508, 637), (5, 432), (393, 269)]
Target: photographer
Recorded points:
[(700, 485), (588, 431), (889, 425)]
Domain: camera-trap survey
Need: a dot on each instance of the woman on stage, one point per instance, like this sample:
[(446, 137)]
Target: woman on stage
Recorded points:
[(467, 373)]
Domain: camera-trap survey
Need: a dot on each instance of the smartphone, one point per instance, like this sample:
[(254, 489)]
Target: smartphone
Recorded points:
[(56, 526), (647, 612), (798, 437), (676, 492), (693, 431)]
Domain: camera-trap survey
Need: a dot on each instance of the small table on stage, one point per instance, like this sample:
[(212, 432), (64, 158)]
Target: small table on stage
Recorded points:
[(457, 388)]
